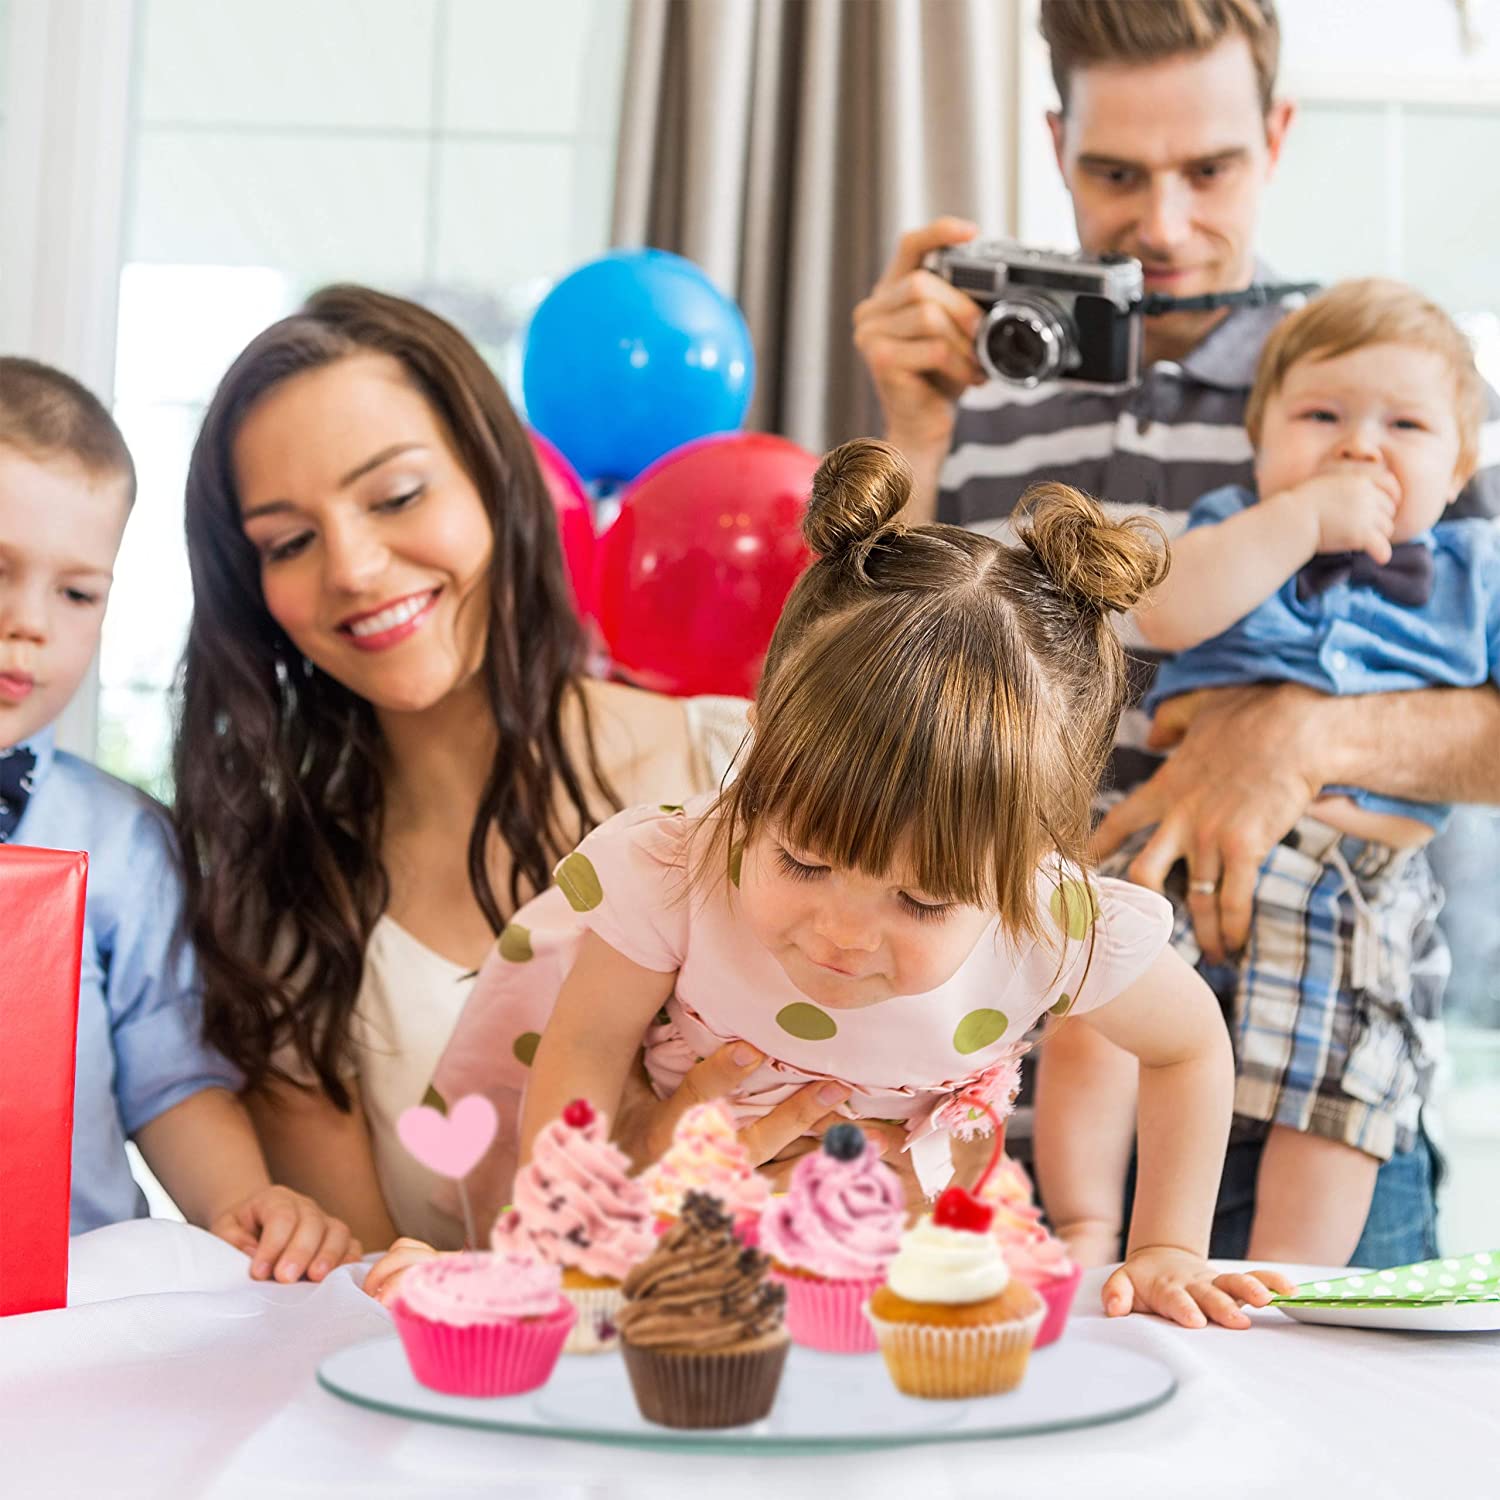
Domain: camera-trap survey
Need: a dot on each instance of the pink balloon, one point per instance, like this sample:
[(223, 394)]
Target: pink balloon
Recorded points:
[(575, 521), (694, 572)]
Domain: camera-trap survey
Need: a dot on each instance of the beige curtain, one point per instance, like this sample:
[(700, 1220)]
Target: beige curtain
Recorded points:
[(784, 145)]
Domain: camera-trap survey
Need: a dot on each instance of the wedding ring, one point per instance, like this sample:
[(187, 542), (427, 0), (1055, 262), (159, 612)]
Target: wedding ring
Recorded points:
[(1204, 887)]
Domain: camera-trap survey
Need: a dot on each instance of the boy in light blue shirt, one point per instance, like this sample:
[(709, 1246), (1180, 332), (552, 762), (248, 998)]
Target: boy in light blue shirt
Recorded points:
[(144, 1072), (1339, 574)]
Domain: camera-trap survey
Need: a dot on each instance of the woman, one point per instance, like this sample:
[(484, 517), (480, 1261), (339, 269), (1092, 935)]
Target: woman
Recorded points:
[(386, 739)]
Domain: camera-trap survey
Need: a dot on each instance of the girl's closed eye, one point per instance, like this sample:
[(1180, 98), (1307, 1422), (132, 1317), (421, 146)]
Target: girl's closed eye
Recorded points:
[(282, 551), (925, 911), (795, 869)]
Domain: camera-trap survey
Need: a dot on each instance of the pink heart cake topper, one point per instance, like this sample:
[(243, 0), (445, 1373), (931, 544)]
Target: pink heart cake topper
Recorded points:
[(452, 1144)]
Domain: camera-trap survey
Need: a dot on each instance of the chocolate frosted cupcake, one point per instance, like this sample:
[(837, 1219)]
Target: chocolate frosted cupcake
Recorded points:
[(701, 1326)]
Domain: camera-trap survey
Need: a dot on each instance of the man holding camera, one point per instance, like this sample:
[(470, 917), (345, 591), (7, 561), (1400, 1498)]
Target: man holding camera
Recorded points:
[(1167, 137)]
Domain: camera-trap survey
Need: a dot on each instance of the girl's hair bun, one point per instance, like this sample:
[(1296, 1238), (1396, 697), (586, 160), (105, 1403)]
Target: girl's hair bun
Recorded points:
[(1099, 564), (857, 494)]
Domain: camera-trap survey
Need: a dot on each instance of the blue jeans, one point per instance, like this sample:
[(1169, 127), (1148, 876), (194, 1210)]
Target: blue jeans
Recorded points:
[(1401, 1227)]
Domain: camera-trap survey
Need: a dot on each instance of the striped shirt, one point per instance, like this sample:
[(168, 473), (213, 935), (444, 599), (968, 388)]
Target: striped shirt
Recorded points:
[(1160, 445)]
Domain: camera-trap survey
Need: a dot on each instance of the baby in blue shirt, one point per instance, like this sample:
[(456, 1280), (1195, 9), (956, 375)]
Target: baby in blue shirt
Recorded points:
[(144, 1071), (1339, 573)]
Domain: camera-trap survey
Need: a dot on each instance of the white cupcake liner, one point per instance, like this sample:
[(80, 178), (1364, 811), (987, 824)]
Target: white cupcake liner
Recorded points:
[(595, 1332), (947, 1361)]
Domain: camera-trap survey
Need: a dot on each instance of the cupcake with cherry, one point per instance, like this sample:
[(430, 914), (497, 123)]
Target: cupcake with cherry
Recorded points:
[(950, 1319), (577, 1208), (1032, 1252), (707, 1156), (831, 1238)]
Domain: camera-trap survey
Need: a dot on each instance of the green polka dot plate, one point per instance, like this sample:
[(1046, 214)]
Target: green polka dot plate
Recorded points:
[(1457, 1293)]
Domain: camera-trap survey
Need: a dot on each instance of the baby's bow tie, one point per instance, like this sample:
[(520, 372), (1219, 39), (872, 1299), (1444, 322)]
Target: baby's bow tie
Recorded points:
[(1405, 579)]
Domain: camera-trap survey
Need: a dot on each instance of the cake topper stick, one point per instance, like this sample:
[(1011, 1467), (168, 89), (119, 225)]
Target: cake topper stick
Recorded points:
[(451, 1145)]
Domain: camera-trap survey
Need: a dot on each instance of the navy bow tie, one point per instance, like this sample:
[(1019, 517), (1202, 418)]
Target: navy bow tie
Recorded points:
[(1405, 579), (16, 766)]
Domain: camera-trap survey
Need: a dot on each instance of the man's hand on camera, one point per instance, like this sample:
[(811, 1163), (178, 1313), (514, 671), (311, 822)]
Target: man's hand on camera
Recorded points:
[(916, 334), (1246, 767)]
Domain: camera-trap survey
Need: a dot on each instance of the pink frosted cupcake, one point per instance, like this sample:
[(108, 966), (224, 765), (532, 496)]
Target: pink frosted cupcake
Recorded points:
[(482, 1325), (706, 1157), (577, 1208), (831, 1238), (1034, 1255)]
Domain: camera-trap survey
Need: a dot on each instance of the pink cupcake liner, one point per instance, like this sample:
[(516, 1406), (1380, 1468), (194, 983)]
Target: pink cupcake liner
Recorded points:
[(484, 1359), (828, 1315), (1057, 1292)]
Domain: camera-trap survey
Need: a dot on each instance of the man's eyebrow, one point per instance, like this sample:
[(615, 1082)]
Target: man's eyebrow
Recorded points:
[(1098, 161), (278, 507)]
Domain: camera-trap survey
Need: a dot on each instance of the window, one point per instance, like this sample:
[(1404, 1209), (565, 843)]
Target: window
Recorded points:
[(457, 151)]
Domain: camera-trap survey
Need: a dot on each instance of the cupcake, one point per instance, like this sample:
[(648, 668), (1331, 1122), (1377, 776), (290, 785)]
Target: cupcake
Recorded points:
[(831, 1237), (701, 1325), (577, 1208), (482, 1325), (1032, 1253), (706, 1157), (950, 1319)]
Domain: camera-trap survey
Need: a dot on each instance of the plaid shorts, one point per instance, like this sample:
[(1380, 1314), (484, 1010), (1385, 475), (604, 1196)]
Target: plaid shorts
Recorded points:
[(1335, 1005)]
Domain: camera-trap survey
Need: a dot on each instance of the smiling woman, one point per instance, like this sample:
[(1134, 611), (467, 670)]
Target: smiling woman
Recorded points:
[(386, 739)]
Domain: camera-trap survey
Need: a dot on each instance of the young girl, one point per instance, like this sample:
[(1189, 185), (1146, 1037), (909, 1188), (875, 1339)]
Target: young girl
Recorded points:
[(890, 895)]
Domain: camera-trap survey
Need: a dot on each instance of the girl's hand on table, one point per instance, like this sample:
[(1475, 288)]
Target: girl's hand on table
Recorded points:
[(1183, 1288), (286, 1235), (384, 1277)]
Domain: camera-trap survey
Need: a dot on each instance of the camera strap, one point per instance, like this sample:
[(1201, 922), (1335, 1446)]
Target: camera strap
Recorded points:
[(1262, 294)]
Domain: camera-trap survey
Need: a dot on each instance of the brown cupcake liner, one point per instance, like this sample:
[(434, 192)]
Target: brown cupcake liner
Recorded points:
[(700, 1388), (950, 1362)]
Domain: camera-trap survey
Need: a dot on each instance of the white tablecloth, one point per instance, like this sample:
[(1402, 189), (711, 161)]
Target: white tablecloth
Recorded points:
[(172, 1374)]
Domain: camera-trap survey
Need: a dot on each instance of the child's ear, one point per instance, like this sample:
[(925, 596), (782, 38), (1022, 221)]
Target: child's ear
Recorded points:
[(750, 711)]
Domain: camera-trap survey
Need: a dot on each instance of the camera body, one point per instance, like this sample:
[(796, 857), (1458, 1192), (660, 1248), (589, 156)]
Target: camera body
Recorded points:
[(1052, 314)]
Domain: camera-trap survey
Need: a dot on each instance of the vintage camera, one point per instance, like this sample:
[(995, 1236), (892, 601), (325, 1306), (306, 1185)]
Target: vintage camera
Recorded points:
[(1052, 314)]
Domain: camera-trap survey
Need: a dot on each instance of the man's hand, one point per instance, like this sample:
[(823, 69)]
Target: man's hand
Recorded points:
[(1248, 765), (916, 333), (1353, 506)]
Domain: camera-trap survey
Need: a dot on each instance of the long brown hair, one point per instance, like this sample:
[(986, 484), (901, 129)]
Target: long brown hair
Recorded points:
[(280, 801), (936, 695)]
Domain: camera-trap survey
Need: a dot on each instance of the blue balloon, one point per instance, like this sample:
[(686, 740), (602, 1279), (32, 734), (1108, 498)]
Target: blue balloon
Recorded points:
[(631, 356)]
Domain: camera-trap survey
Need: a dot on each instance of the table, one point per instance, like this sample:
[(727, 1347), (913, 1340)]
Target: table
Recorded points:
[(172, 1374)]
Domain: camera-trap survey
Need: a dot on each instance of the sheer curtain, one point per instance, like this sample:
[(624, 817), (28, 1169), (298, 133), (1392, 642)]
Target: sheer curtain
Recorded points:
[(784, 145)]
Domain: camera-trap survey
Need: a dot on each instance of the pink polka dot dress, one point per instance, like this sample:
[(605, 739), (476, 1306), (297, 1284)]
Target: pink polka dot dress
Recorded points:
[(908, 1059)]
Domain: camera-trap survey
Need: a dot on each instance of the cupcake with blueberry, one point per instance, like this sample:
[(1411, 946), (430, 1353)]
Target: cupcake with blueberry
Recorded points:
[(831, 1238), (1032, 1252), (701, 1328), (950, 1319), (482, 1325), (577, 1208), (706, 1156)]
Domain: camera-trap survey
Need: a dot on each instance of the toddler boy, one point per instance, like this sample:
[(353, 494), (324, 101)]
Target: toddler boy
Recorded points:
[(143, 1071)]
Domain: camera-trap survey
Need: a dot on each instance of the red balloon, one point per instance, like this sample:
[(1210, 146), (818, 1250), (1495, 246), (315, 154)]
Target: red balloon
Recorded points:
[(694, 572), (575, 521)]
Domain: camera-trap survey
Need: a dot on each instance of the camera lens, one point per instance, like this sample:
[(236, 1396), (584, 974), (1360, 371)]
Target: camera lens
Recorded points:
[(1022, 342)]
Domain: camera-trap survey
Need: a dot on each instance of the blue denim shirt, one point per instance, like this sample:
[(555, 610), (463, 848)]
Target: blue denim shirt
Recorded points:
[(1351, 639), (140, 1049)]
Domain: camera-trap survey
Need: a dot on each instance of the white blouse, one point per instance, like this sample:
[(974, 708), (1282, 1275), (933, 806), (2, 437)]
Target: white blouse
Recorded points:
[(410, 998)]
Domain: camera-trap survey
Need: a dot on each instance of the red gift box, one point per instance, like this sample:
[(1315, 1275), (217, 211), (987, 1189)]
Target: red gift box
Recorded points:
[(41, 928)]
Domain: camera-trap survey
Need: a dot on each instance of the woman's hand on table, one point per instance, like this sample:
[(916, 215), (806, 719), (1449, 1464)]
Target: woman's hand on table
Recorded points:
[(1183, 1288), (286, 1235), (384, 1276)]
